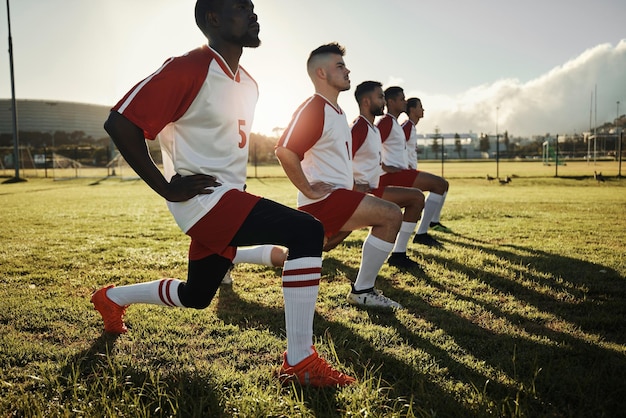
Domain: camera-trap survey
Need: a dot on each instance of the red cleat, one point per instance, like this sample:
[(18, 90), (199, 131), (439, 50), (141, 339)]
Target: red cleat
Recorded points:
[(112, 313), (313, 371)]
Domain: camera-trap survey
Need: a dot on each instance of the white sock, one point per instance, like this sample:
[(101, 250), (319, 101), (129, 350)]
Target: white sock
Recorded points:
[(375, 252), (261, 254), (437, 215), (162, 292), (402, 240), (430, 207), (301, 277)]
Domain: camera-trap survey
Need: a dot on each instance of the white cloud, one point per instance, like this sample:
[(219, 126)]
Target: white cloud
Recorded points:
[(556, 102)]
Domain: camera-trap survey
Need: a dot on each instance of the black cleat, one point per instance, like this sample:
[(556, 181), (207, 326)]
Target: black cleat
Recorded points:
[(426, 239), (401, 260)]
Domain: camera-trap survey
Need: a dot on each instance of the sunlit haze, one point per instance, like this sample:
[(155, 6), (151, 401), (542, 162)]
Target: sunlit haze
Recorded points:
[(528, 67)]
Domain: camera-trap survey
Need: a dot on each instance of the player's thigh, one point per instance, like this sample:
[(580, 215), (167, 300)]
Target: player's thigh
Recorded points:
[(403, 196), (430, 182), (373, 211)]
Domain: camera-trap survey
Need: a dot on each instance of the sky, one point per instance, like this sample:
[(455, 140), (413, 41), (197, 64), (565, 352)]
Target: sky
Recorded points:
[(482, 66)]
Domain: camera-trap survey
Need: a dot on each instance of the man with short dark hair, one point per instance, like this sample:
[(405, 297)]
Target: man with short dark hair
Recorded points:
[(396, 166), (315, 152), (200, 106)]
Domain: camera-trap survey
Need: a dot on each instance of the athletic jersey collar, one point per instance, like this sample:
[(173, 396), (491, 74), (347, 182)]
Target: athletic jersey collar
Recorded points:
[(222, 63), (394, 118), (371, 125), (337, 108)]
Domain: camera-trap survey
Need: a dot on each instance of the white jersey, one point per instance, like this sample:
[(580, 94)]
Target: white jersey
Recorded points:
[(366, 153), (319, 134), (411, 143), (394, 142), (201, 113)]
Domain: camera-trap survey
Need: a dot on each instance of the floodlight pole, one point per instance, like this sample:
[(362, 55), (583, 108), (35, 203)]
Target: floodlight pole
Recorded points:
[(621, 138), (16, 140), (556, 156), (497, 145)]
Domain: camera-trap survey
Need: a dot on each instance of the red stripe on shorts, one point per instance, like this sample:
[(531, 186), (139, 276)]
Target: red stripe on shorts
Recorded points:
[(404, 178), (213, 233), (334, 211)]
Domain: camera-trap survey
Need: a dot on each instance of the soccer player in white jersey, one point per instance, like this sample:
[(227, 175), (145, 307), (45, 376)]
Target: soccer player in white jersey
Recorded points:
[(408, 126), (200, 107), (415, 112), (315, 152), (366, 156), (396, 167)]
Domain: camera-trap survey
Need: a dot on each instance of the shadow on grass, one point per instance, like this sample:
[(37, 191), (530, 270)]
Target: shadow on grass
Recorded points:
[(568, 344), (130, 391), (406, 382)]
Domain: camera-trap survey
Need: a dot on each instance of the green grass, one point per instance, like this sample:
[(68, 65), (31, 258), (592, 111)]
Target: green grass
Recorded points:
[(523, 314)]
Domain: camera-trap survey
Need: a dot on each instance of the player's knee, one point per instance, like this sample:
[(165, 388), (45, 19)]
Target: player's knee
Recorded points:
[(394, 215), (193, 299), (307, 238)]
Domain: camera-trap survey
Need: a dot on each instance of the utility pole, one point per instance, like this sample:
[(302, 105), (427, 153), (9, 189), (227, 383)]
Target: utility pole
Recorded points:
[(16, 140), (497, 144)]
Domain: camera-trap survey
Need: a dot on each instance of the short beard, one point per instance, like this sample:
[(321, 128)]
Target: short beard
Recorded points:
[(246, 41)]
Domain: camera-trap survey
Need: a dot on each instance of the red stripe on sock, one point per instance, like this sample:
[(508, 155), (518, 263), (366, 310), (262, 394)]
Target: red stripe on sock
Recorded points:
[(296, 272), (167, 301), (302, 283), (168, 294)]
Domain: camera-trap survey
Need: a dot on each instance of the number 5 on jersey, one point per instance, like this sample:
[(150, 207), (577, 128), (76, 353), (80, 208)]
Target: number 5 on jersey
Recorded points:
[(242, 134)]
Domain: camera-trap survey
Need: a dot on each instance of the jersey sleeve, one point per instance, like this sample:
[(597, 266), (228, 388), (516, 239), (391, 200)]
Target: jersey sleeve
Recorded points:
[(384, 126), (305, 128), (165, 95), (359, 134), (407, 127)]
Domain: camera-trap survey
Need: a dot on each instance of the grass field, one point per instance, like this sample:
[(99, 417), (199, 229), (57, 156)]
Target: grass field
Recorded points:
[(522, 314), (452, 169)]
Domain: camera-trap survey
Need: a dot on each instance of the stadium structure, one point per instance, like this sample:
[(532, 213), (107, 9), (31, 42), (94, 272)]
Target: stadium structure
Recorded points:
[(51, 116)]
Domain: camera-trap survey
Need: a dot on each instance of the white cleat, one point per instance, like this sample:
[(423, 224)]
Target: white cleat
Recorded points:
[(372, 298)]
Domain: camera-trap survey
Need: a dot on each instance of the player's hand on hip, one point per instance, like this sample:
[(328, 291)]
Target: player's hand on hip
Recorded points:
[(184, 188), (319, 190)]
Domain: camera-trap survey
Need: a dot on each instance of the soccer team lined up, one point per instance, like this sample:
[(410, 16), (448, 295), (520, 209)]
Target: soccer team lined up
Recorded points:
[(200, 106)]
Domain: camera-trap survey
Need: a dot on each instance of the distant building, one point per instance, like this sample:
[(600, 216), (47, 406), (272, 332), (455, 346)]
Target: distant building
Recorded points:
[(50, 116), (469, 146)]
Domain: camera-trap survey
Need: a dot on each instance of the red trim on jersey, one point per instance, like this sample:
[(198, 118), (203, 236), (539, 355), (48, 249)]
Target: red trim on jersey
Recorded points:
[(407, 127), (304, 283), (166, 94), (306, 126), (359, 133), (213, 233), (335, 210), (384, 126)]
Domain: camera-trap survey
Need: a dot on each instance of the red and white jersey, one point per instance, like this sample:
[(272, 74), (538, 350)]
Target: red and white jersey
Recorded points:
[(319, 134), (201, 113), (394, 142), (366, 153), (411, 143)]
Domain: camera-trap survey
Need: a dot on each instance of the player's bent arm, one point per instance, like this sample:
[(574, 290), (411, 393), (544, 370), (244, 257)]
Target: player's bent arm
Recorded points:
[(390, 168), (131, 143), (290, 162)]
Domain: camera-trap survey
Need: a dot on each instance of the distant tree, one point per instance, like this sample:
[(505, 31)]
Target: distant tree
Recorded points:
[(435, 145), (506, 142), (483, 144), (457, 144)]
